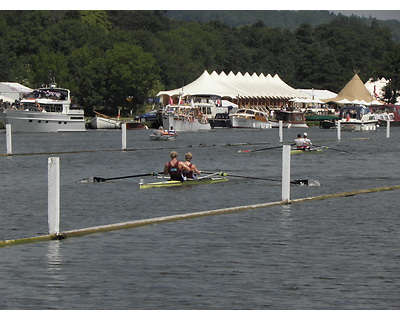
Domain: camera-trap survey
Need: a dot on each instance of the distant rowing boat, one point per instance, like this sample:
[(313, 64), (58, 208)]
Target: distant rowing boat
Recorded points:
[(172, 183)]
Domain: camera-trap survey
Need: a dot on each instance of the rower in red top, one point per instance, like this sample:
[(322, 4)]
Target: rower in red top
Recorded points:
[(175, 167), (194, 172)]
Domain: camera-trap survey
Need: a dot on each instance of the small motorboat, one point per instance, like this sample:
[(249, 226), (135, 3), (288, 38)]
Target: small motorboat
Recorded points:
[(357, 118), (164, 135)]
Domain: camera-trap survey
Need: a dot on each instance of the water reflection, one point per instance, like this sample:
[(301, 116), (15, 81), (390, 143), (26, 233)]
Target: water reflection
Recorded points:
[(54, 269), (286, 218)]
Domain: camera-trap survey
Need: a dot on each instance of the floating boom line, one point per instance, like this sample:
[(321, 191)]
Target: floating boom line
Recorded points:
[(146, 222)]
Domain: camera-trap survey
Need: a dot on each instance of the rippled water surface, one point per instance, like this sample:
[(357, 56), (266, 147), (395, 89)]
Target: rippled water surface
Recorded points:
[(339, 253)]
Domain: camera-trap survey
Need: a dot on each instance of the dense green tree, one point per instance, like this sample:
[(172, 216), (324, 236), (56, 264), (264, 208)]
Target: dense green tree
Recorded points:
[(96, 18), (392, 63), (50, 67), (132, 74), (120, 58)]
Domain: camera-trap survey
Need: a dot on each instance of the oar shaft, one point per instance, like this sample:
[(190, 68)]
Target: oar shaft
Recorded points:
[(298, 181), (99, 179), (238, 176), (278, 147), (269, 148), (333, 149)]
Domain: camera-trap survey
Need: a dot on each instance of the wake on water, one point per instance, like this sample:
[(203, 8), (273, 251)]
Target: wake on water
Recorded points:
[(313, 183)]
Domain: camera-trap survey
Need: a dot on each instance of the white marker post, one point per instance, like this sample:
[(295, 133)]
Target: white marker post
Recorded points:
[(280, 131), (388, 128), (286, 173), (339, 134), (9, 139), (53, 201), (123, 127)]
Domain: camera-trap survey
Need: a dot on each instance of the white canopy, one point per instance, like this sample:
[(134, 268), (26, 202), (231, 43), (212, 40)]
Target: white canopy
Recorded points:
[(227, 103), (309, 100), (11, 91), (375, 87), (318, 93), (232, 86), (361, 102), (6, 99)]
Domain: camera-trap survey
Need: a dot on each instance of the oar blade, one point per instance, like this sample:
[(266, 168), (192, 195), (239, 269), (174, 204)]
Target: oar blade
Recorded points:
[(300, 182), (243, 151), (91, 180)]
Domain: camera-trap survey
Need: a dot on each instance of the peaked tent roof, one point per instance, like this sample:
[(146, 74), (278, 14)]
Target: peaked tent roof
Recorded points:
[(354, 90), (231, 85)]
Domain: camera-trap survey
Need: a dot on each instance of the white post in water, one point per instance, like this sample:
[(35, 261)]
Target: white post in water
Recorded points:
[(388, 128), (286, 173), (9, 139), (53, 201), (123, 127), (339, 134), (280, 131)]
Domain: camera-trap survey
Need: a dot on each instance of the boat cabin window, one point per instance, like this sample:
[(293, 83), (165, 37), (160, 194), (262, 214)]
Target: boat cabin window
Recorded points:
[(297, 117), (351, 114), (206, 110), (48, 93), (56, 107), (289, 116)]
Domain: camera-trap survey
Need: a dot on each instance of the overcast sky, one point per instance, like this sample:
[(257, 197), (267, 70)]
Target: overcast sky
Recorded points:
[(377, 9)]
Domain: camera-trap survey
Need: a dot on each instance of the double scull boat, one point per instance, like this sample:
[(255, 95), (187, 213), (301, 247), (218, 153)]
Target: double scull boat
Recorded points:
[(172, 183)]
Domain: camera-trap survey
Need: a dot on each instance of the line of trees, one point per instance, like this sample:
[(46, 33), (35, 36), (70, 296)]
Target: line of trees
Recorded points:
[(117, 59)]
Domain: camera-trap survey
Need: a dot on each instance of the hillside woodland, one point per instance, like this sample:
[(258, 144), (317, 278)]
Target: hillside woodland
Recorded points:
[(111, 59)]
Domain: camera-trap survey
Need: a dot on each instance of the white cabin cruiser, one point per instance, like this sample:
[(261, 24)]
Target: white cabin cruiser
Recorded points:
[(44, 110), (357, 118)]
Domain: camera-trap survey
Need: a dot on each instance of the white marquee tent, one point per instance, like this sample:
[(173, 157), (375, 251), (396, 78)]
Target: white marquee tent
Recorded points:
[(11, 91), (375, 88), (237, 87)]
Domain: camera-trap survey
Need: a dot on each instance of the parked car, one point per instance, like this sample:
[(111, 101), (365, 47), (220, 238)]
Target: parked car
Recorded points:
[(149, 116)]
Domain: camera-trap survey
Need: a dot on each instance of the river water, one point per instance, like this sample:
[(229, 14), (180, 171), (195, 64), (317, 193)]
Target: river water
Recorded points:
[(340, 253)]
